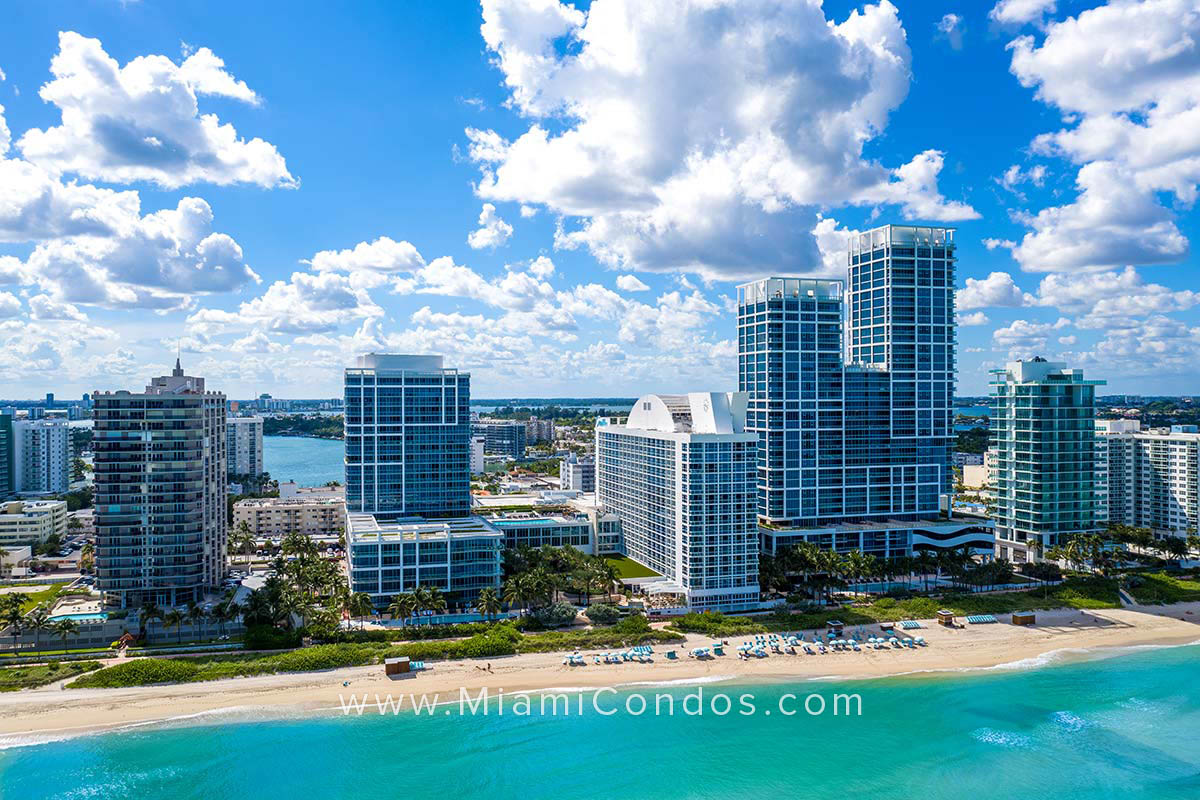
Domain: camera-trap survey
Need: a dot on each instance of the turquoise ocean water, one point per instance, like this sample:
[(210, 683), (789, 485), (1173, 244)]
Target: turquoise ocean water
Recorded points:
[(1125, 727), (305, 460)]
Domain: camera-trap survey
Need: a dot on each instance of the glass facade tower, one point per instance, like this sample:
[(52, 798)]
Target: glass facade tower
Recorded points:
[(408, 435), (854, 428), (900, 299), (1044, 469), (790, 367)]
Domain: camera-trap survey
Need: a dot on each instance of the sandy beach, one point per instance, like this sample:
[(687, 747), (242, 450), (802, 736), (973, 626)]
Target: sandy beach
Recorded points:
[(52, 711)]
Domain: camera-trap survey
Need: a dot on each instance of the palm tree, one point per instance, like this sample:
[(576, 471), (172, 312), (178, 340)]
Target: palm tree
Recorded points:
[(855, 565), (174, 619), (770, 573), (37, 621), (359, 605), (607, 575), (402, 607), (66, 628), (517, 591), (13, 614), (292, 603), (258, 608), (830, 564), (196, 617), (242, 538), (421, 596), (147, 612), (488, 604), (540, 584), (926, 562), (1193, 541), (1176, 547), (434, 601)]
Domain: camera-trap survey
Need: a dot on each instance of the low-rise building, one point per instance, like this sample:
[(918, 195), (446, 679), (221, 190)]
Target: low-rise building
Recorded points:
[(31, 522), (270, 517), (964, 459), (460, 556), (886, 539), (14, 561), (86, 522), (587, 528), (293, 489)]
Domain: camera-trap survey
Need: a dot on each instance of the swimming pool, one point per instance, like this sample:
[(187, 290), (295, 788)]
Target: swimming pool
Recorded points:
[(891, 586), (449, 619), (95, 616)]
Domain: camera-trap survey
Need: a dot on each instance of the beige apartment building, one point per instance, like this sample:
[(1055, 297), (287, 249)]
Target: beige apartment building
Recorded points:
[(278, 516), (31, 522)]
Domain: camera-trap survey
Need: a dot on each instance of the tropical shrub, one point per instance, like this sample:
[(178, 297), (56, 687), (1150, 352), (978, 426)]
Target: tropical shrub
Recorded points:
[(556, 615), (1042, 570), (138, 672), (603, 613), (267, 637), (634, 623)]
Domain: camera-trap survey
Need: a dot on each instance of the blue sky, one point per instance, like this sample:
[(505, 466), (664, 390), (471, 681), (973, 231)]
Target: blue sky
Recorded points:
[(561, 199)]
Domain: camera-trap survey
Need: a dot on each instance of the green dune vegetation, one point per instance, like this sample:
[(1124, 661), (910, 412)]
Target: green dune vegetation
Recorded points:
[(13, 679)]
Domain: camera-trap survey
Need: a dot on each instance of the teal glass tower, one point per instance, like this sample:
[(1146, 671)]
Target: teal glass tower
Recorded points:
[(1044, 468)]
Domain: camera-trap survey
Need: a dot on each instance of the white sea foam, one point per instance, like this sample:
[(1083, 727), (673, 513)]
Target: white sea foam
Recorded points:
[(1069, 722), (1007, 739), (1051, 657), (228, 713), (681, 681)]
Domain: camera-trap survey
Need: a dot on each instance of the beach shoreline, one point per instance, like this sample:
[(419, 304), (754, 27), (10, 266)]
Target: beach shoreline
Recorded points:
[(1061, 636)]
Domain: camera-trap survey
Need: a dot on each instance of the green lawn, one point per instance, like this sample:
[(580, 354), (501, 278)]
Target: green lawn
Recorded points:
[(46, 596), (1159, 588), (626, 567), (13, 679)]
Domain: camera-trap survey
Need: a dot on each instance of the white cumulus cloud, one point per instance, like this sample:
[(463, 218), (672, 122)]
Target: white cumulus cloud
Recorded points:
[(492, 231), (631, 283), (142, 121), (699, 136)]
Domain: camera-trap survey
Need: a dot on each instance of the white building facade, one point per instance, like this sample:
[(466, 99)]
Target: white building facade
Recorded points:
[(478, 465), (579, 474), (1153, 475), (244, 445), (41, 456), (681, 474)]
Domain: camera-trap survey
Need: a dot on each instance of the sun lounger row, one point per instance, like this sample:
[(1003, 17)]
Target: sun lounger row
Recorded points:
[(981, 619)]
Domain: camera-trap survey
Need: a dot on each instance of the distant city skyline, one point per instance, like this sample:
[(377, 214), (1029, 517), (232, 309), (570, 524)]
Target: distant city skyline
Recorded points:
[(486, 182)]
